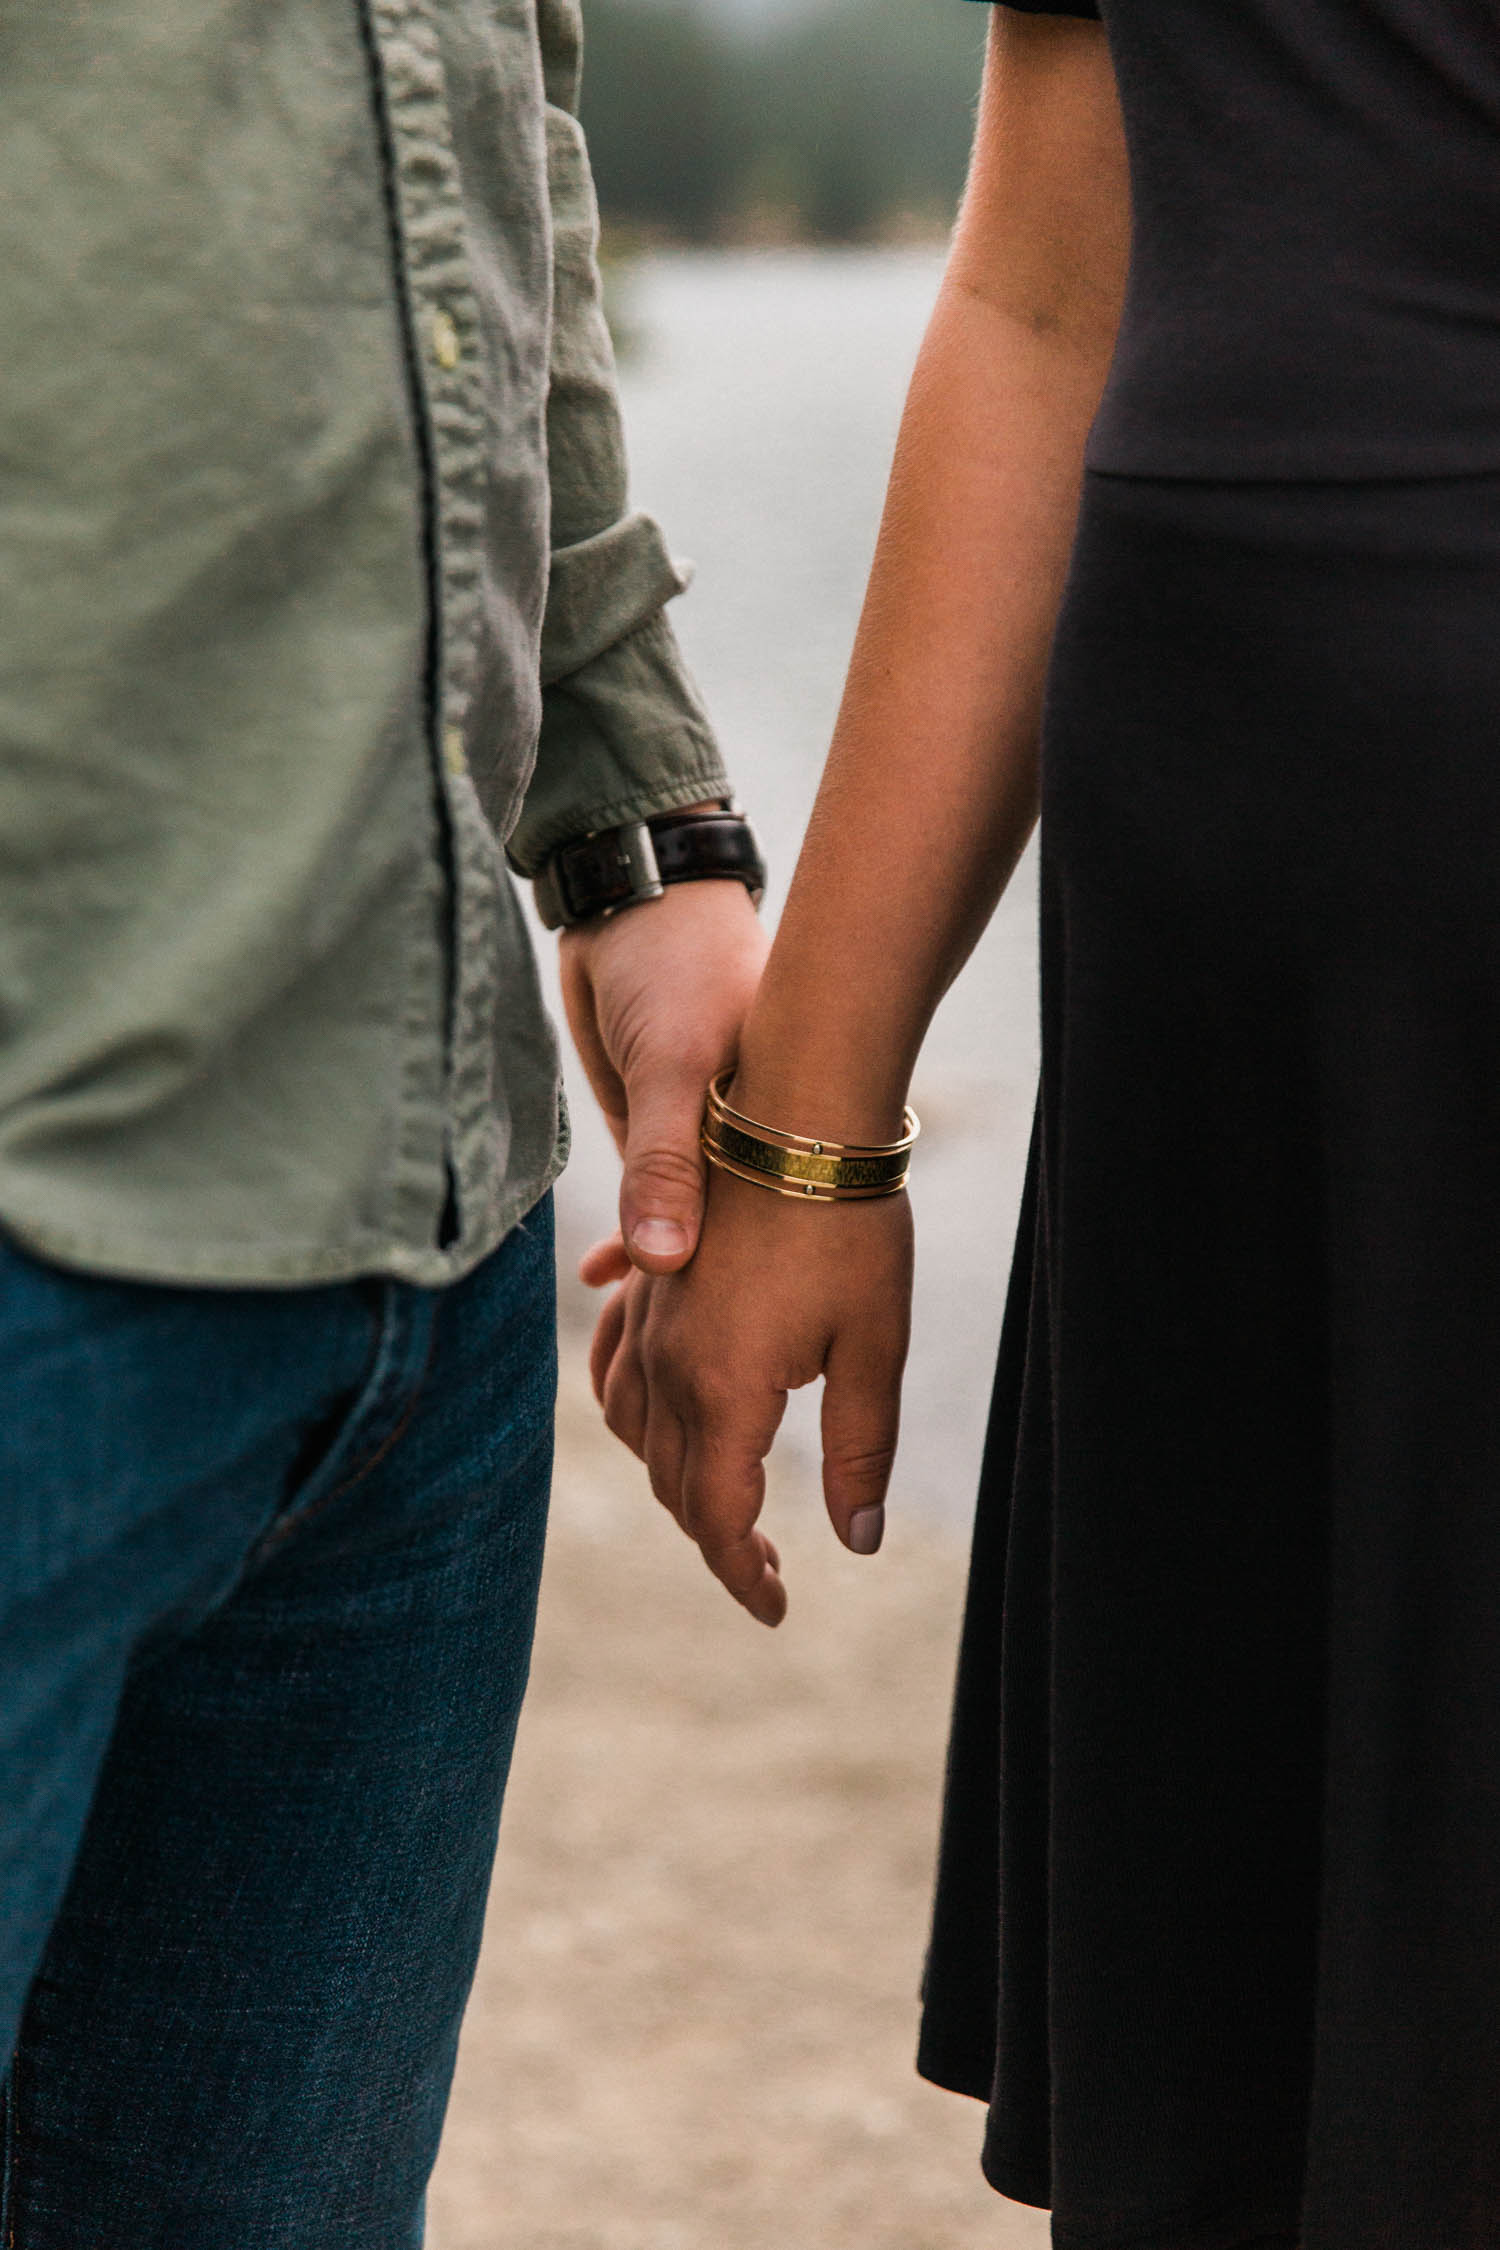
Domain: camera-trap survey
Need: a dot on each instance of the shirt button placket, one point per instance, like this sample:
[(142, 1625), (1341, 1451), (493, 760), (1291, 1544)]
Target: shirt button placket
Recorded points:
[(447, 349), (442, 333)]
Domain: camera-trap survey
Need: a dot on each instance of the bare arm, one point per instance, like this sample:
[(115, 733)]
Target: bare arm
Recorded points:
[(926, 804), (930, 789)]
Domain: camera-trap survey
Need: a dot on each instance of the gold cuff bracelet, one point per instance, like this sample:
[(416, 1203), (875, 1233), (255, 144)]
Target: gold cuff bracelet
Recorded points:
[(791, 1164)]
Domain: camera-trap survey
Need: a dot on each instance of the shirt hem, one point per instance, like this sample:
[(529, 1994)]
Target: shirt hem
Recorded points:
[(196, 1265)]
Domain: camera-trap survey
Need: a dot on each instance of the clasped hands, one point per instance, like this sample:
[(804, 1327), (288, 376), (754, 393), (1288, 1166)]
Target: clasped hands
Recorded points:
[(725, 1297)]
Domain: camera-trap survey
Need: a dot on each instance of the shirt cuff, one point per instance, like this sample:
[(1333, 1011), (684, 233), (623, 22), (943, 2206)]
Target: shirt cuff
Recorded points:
[(602, 589), (624, 736)]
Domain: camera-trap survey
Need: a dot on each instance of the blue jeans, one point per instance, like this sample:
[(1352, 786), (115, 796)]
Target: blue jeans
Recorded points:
[(268, 1573)]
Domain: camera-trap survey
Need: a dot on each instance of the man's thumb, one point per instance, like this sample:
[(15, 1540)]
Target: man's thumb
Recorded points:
[(661, 1195)]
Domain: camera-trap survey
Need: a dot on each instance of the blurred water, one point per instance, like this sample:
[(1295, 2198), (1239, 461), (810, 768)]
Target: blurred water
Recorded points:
[(761, 402)]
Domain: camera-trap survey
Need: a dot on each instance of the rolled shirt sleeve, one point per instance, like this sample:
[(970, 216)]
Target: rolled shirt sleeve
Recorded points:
[(624, 733)]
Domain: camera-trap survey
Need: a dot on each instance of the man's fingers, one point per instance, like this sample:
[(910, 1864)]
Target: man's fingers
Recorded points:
[(604, 1262), (661, 1195), (861, 1416)]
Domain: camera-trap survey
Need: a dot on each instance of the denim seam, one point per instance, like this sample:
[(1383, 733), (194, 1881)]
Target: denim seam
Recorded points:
[(392, 1438), (7, 2153), (387, 1385), (10, 2191)]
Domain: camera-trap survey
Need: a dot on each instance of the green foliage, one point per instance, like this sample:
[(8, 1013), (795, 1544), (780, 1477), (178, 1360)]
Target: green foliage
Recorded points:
[(838, 124)]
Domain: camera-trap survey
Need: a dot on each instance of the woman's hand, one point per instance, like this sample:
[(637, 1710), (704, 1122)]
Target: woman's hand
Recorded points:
[(693, 1369)]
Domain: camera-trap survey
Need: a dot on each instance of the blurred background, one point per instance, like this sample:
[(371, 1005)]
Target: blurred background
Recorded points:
[(694, 2022), (762, 121)]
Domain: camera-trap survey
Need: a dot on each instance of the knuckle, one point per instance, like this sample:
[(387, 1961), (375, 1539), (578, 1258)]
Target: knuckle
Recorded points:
[(663, 1483), (667, 1502), (682, 1379), (671, 1039), (670, 1171), (737, 1566), (666, 1357), (711, 1397), (619, 1418), (869, 1462)]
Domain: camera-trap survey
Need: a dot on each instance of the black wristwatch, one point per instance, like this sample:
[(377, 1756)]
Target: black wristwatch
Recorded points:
[(619, 867)]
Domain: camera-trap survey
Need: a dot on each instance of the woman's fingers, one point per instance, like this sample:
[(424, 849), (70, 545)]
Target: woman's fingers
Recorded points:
[(723, 1488), (624, 1395), (861, 1417), (608, 1330), (696, 1368), (664, 1453)]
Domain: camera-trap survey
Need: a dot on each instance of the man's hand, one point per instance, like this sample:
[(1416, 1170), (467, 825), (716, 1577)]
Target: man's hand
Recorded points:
[(656, 997), (693, 1370)]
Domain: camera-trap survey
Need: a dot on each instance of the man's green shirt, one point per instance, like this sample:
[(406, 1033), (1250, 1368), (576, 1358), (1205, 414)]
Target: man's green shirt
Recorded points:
[(317, 585)]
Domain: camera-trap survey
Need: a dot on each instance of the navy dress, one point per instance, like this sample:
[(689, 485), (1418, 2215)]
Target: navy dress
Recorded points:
[(1217, 1932)]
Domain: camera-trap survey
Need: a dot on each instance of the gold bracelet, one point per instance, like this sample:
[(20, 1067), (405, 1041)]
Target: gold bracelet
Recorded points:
[(793, 1164)]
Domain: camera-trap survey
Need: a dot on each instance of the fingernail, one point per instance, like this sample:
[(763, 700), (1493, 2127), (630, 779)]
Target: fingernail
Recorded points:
[(659, 1238), (866, 1530)]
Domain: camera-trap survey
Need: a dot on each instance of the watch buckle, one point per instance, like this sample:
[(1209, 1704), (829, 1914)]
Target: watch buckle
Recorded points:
[(638, 865)]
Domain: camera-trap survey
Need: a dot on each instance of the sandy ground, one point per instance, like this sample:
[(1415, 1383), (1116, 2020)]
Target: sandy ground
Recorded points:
[(694, 2020)]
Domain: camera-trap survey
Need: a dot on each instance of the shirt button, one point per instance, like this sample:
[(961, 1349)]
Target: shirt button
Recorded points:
[(446, 346), (453, 752)]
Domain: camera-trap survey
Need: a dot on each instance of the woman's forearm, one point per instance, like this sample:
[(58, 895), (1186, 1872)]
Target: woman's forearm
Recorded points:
[(930, 789)]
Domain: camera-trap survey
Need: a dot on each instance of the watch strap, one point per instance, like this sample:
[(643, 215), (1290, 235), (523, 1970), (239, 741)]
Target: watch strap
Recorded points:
[(620, 867)]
